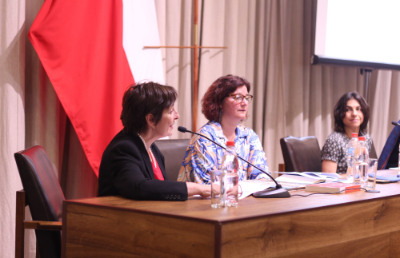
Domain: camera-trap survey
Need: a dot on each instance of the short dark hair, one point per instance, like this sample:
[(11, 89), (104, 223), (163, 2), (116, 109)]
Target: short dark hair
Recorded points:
[(142, 99), (339, 111), (216, 93)]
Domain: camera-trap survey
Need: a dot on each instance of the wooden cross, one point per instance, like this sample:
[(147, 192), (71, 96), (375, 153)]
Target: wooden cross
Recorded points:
[(196, 48)]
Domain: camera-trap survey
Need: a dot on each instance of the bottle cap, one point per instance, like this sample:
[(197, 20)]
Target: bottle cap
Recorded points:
[(361, 138), (230, 143), (354, 135)]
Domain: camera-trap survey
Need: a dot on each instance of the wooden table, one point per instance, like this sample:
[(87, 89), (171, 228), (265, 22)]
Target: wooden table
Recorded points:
[(357, 224)]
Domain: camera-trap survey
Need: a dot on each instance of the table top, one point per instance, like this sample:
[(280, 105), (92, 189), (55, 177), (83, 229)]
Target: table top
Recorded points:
[(200, 209)]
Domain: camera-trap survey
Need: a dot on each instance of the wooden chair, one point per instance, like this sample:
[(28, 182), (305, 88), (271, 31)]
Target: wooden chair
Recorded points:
[(174, 152), (301, 154), (43, 194)]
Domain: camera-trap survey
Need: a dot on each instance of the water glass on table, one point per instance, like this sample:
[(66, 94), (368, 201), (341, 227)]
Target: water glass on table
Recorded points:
[(372, 170), (231, 189), (224, 189), (216, 176)]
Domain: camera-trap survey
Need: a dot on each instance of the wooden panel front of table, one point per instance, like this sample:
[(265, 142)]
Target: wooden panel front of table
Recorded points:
[(357, 224)]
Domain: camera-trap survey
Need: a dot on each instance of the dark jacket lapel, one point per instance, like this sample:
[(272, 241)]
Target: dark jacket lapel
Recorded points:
[(145, 156)]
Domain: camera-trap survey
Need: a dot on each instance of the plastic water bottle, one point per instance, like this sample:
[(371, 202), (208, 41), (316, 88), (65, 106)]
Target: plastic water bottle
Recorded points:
[(351, 149), (361, 165), (229, 178)]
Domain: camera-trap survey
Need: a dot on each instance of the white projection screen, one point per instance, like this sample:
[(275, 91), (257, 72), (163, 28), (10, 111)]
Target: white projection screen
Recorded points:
[(361, 33)]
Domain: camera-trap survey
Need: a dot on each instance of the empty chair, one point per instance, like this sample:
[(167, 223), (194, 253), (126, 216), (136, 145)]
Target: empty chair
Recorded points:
[(301, 154), (174, 152), (45, 199)]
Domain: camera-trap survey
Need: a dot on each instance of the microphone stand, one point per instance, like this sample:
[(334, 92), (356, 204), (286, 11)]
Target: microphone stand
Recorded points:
[(277, 192)]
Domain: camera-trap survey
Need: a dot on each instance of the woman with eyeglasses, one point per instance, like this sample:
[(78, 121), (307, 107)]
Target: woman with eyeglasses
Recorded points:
[(225, 105)]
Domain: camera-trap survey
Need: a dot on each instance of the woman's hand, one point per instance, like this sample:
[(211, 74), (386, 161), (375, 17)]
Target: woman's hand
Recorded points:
[(203, 190)]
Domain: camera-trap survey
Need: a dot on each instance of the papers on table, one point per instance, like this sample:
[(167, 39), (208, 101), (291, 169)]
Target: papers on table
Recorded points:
[(308, 177), (299, 179), (326, 176), (289, 181), (292, 186), (251, 186)]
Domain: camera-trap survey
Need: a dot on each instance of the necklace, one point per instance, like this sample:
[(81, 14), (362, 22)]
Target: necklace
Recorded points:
[(152, 159)]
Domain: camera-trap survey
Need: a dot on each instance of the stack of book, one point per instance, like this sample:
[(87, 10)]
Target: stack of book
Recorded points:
[(333, 188)]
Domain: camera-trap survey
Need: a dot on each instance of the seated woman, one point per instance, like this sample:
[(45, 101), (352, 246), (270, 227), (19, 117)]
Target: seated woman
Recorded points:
[(132, 166), (351, 115), (225, 105)]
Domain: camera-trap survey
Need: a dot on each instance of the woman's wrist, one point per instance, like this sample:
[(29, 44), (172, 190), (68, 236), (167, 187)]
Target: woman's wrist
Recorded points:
[(198, 189), (192, 188)]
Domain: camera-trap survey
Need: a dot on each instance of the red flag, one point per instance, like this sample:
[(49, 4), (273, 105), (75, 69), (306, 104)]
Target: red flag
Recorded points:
[(80, 44)]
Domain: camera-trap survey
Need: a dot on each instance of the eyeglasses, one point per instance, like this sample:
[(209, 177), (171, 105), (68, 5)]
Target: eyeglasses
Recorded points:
[(239, 97)]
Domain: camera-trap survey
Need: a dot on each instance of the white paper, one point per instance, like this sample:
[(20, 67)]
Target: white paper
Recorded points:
[(251, 186)]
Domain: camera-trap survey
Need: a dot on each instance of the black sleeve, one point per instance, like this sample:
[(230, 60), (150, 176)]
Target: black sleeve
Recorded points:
[(134, 180)]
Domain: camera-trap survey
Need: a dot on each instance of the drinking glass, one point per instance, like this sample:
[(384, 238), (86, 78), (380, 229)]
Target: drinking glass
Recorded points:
[(372, 170), (216, 176), (231, 186)]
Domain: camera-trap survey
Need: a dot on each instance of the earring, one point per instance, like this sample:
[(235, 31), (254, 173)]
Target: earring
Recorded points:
[(220, 114)]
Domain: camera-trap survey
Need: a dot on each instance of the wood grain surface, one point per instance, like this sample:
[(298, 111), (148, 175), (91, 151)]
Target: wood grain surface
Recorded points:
[(342, 225)]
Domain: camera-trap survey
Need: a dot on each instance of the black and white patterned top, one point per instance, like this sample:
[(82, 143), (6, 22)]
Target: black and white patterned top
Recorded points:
[(335, 149)]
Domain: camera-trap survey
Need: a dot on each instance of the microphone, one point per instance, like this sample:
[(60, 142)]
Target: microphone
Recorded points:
[(278, 192), (395, 123)]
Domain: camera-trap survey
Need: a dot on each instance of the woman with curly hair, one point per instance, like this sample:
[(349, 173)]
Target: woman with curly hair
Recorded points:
[(225, 105)]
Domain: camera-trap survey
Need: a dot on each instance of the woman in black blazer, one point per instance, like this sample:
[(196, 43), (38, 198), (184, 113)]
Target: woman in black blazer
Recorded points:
[(132, 166)]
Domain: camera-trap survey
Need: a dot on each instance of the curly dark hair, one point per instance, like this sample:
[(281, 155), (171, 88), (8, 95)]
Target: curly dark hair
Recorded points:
[(216, 93), (142, 99), (339, 111)]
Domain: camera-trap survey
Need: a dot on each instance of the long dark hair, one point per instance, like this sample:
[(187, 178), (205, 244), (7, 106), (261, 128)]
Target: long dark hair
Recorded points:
[(339, 111)]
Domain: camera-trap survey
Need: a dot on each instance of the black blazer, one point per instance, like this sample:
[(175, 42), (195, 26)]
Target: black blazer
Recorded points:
[(126, 170)]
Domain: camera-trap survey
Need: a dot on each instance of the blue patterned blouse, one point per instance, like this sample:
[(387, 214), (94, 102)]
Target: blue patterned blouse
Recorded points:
[(203, 156)]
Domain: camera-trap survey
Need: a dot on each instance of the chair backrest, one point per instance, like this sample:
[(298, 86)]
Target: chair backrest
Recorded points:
[(174, 152), (301, 154), (43, 195), (373, 154)]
